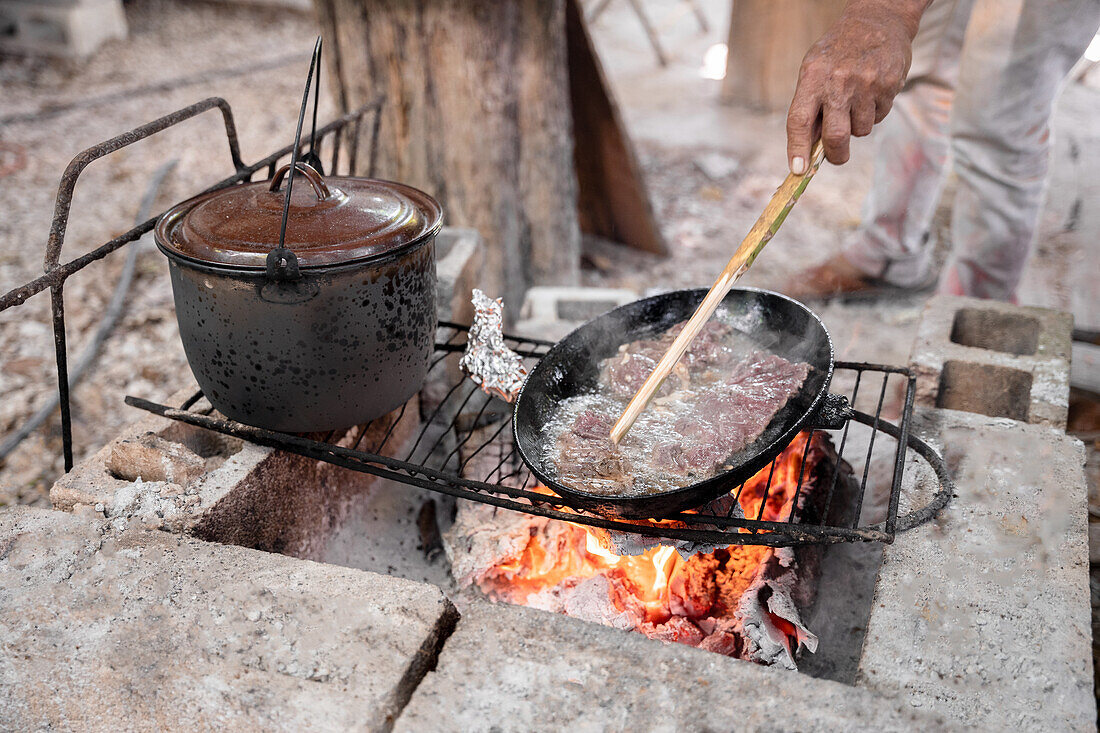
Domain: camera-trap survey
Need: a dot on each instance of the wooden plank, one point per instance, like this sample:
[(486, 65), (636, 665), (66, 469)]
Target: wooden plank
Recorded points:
[(612, 201)]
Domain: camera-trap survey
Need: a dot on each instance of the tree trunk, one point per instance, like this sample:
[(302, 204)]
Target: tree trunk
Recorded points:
[(477, 113), (767, 41)]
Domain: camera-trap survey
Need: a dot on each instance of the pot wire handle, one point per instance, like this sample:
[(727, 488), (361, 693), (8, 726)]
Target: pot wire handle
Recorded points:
[(282, 264)]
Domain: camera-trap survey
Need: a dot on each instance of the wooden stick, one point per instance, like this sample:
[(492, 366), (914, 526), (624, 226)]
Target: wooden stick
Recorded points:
[(760, 234)]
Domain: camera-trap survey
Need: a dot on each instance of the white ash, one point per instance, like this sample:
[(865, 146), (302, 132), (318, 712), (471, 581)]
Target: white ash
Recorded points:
[(767, 643), (483, 536), (591, 601), (156, 504)]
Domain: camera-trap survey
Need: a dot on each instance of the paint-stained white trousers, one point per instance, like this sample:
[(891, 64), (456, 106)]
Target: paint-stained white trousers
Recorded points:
[(983, 83)]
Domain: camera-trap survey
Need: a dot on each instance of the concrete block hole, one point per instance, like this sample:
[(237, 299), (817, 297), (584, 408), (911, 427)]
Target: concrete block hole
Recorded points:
[(1011, 333), (985, 389)]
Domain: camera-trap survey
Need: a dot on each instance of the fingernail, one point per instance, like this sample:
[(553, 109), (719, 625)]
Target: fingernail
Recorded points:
[(798, 165)]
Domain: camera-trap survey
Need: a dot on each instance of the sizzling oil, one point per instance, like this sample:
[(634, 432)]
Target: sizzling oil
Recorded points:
[(653, 428)]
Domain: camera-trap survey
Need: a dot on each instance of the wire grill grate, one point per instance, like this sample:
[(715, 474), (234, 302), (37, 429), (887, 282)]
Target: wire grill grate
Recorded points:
[(464, 448)]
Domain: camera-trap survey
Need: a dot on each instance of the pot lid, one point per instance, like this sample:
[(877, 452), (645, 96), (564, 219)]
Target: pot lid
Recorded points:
[(332, 220)]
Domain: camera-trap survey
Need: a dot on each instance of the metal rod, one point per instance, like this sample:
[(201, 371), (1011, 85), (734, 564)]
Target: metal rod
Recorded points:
[(316, 102), (372, 156), (59, 274), (767, 489), (942, 497), (103, 330), (294, 149), (57, 304), (801, 473), (353, 147), (393, 425), (870, 451), (840, 455), (68, 180), (899, 455), (481, 447)]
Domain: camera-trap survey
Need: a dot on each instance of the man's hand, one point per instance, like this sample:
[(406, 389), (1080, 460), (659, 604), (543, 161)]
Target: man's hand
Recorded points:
[(849, 78)]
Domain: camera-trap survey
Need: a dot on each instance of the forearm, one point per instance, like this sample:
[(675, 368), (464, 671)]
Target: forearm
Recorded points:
[(907, 12)]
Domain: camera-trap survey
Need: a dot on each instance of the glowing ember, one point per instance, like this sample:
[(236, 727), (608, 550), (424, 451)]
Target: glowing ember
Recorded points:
[(703, 601)]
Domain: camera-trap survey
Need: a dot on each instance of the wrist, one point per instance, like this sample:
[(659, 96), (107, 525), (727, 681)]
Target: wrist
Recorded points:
[(907, 12)]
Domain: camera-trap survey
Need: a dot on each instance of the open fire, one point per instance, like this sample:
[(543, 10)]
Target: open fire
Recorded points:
[(741, 601)]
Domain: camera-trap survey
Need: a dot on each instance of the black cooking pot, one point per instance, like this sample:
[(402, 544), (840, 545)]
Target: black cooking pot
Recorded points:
[(333, 330)]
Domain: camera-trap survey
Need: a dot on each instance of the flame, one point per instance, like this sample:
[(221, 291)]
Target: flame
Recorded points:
[(561, 555), (592, 546), (784, 482)]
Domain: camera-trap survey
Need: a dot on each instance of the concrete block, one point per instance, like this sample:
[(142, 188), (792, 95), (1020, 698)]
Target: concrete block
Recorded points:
[(92, 481), (983, 614), (72, 29), (1085, 368), (110, 631), (572, 304), (994, 359), (459, 257), (246, 494), (551, 312), (152, 458), (509, 668)]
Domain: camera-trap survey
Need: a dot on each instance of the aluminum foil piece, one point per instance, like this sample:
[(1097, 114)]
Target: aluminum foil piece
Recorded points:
[(488, 360)]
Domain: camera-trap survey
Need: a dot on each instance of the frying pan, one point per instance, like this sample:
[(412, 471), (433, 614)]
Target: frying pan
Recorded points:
[(571, 367)]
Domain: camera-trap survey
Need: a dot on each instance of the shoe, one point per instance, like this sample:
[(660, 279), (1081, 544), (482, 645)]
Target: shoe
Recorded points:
[(837, 278)]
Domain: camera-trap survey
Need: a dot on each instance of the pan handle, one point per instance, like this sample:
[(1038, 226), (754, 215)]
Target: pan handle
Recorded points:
[(833, 413)]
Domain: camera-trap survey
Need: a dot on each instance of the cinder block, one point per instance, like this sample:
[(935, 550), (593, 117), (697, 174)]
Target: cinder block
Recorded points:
[(73, 29), (459, 255), (573, 304), (983, 615), (994, 359), (106, 630), (248, 495), (1085, 368), (550, 312), (514, 668)]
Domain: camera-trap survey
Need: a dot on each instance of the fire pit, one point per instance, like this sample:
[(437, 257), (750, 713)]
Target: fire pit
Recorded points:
[(736, 576), (733, 577), (743, 601)]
